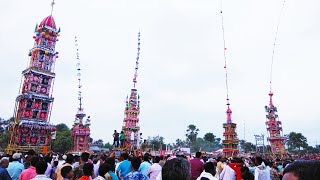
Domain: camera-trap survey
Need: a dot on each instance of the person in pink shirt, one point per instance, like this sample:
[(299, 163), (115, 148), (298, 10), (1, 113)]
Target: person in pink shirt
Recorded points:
[(154, 169), (30, 173), (197, 166)]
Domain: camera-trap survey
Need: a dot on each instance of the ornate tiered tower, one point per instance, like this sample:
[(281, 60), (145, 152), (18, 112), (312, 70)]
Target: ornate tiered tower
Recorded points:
[(30, 128), (132, 110), (274, 128), (230, 142), (80, 129)]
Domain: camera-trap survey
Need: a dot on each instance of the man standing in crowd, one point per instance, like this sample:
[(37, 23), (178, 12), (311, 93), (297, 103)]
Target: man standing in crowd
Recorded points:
[(122, 137), (115, 139), (30, 173), (135, 174), (15, 167), (78, 171), (124, 167), (68, 162), (155, 169), (145, 165), (41, 168), (87, 172), (4, 163), (209, 172), (196, 166)]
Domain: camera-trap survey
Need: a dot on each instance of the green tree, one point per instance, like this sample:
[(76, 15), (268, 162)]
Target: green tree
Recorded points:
[(4, 133), (157, 142), (108, 145), (247, 146), (62, 127), (180, 143), (192, 133), (209, 137), (63, 142), (296, 141), (98, 142)]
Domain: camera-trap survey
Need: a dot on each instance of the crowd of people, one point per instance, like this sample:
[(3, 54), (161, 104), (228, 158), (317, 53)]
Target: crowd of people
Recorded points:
[(32, 166)]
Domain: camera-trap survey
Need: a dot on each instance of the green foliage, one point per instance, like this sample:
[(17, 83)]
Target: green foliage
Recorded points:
[(98, 143), (4, 134), (209, 137), (247, 146), (63, 142), (108, 145), (296, 141), (157, 142), (62, 127), (192, 133)]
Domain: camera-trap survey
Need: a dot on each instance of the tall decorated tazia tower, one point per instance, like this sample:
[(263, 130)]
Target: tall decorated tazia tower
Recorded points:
[(81, 128), (230, 142), (274, 128), (132, 110), (31, 128)]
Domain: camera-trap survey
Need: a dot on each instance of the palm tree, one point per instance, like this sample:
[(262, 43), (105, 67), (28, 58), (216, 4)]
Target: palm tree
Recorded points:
[(192, 133)]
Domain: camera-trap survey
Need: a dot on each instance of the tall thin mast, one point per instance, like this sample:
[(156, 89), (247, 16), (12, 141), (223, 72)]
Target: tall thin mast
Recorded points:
[(137, 63), (78, 74)]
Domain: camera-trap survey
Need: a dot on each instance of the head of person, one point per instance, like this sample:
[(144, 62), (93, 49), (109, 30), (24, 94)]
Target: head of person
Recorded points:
[(135, 163), (41, 167), (15, 156), (146, 157), (88, 169), (198, 154), (34, 160), (258, 160), (115, 131), (122, 132), (47, 159), (69, 159), (298, 170), (124, 156), (157, 159), (4, 162), (103, 169), (176, 169), (84, 157), (111, 162), (209, 167), (66, 172)]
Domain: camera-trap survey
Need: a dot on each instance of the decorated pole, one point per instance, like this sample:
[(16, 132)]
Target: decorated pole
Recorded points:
[(80, 129), (31, 128), (274, 125), (230, 141), (132, 110)]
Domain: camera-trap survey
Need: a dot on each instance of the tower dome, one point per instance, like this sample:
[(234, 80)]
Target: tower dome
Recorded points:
[(49, 22)]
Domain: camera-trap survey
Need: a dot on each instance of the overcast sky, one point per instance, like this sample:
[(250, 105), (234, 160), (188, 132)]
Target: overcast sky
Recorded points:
[(181, 74)]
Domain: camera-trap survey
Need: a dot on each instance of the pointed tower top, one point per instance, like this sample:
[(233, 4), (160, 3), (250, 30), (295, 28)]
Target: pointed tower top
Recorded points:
[(270, 102), (137, 63), (229, 112), (49, 22)]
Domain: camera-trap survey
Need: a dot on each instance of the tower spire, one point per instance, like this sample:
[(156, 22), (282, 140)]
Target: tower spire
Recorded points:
[(78, 74), (137, 63), (52, 4)]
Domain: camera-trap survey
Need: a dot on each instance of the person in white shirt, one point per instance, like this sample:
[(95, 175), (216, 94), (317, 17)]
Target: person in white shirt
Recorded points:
[(261, 171), (209, 171), (48, 160), (41, 167)]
